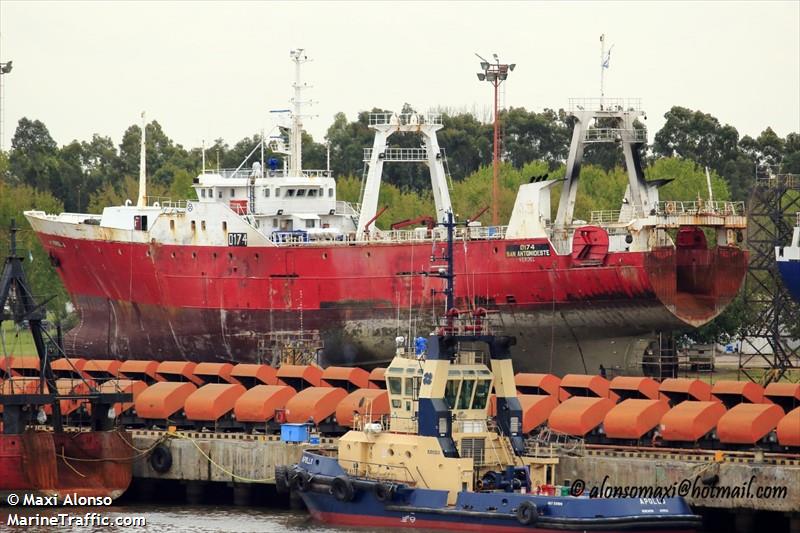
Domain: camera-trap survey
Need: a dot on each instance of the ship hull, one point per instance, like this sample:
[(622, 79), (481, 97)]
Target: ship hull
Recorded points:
[(85, 464), (157, 301)]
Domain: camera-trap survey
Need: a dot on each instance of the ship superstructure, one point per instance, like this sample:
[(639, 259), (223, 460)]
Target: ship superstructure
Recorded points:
[(267, 249)]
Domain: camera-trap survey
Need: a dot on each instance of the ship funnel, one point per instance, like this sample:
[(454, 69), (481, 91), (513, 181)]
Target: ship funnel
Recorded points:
[(141, 202)]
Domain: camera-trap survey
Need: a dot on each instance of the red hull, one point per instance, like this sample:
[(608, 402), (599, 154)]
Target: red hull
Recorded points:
[(165, 301), (46, 463)]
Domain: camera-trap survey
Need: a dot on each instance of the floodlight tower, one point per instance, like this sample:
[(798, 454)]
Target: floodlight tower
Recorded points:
[(5, 68), (495, 73)]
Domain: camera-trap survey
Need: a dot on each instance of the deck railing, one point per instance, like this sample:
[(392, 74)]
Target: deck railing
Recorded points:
[(229, 173), (700, 207)]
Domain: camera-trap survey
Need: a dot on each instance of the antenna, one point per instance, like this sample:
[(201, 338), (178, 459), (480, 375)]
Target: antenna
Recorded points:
[(605, 60), (296, 139), (141, 202), (204, 156)]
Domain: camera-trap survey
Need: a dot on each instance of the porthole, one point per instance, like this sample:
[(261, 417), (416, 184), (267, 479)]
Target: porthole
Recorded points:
[(324, 255), (194, 255), (173, 255)]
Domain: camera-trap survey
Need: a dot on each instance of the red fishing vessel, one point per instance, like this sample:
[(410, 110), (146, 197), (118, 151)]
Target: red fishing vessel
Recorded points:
[(266, 249)]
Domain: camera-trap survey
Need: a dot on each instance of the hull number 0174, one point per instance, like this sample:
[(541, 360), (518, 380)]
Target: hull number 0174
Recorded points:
[(237, 239)]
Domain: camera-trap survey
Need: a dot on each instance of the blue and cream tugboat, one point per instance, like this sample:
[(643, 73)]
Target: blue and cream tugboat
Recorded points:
[(788, 258), (440, 462)]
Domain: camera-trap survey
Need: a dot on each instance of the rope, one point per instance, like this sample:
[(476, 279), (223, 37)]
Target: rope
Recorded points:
[(217, 465), (132, 458)]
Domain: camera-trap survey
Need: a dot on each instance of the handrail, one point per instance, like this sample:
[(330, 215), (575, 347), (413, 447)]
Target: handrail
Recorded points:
[(700, 207)]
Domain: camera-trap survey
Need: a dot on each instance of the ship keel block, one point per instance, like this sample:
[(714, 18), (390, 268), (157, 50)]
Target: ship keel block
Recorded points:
[(162, 400), (370, 404), (634, 418), (690, 421), (578, 416), (251, 374), (536, 409), (259, 404), (789, 429), (314, 404), (212, 401), (678, 390), (748, 423), (537, 384)]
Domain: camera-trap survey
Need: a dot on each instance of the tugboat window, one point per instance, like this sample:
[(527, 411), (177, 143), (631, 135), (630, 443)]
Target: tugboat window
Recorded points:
[(290, 193), (451, 392), (481, 394), (220, 193), (395, 386), (312, 193), (330, 192), (301, 192), (465, 398)]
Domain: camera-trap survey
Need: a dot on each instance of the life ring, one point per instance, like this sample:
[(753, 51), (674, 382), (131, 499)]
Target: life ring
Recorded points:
[(342, 489), (161, 459), (527, 513), (384, 492), (280, 416), (670, 208), (281, 479)]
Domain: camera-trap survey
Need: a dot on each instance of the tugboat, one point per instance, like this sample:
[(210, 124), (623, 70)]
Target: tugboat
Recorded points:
[(441, 464), (89, 465), (788, 258)]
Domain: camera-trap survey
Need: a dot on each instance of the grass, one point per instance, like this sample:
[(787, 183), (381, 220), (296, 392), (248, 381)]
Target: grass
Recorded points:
[(17, 341)]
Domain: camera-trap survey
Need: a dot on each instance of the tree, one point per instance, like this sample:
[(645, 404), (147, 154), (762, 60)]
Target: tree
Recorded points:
[(34, 156)]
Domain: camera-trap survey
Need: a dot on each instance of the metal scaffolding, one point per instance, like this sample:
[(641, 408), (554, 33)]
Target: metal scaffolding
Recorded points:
[(767, 341)]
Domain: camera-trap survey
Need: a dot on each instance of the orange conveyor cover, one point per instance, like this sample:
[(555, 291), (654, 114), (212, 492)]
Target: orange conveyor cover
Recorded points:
[(213, 401), (164, 399), (677, 390), (634, 387), (579, 415), (536, 409), (789, 428), (102, 368), (69, 367), (314, 403), (307, 374), (738, 391), (260, 403), (142, 370), (66, 386), (255, 373), (129, 386), (747, 423), (178, 371), (358, 377), (363, 402), (689, 421), (633, 418), (537, 384), (377, 378), (214, 372)]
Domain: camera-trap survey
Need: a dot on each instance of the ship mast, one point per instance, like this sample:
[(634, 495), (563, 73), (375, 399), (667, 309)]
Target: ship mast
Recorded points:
[(141, 202), (296, 139)]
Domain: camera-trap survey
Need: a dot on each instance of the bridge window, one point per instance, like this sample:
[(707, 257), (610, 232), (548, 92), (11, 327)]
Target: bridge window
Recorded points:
[(465, 398), (481, 394), (309, 223), (219, 192), (203, 225), (330, 192), (289, 193), (277, 191), (224, 226), (451, 392), (233, 193), (211, 193), (202, 193), (266, 192), (301, 192), (274, 222), (312, 193), (172, 224), (395, 386)]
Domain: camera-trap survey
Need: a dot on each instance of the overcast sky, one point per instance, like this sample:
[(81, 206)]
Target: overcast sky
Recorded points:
[(213, 69)]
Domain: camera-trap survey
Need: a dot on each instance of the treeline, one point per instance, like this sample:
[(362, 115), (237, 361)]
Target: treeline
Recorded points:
[(89, 175)]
